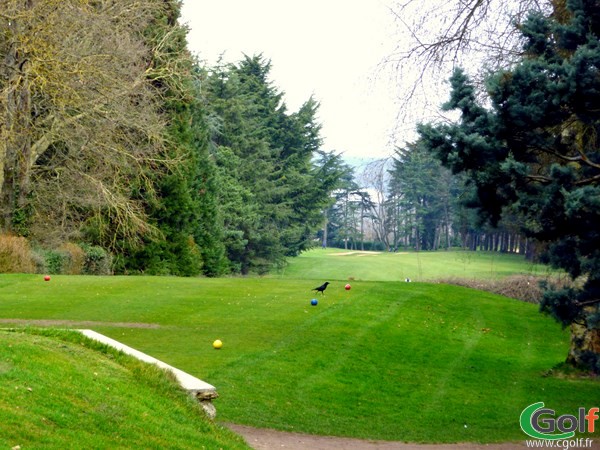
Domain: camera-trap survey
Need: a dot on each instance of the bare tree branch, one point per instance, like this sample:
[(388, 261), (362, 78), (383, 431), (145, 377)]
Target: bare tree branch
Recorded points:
[(436, 36), (81, 120)]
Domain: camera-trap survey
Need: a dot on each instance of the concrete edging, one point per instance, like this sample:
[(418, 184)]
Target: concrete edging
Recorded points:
[(197, 388)]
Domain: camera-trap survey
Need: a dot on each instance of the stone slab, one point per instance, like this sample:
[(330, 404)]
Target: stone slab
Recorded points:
[(203, 391)]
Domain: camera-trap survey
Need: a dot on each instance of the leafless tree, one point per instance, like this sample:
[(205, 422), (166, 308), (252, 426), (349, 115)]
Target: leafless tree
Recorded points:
[(80, 120), (375, 179), (434, 36)]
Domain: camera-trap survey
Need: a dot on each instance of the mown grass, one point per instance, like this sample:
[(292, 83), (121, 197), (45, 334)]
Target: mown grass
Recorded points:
[(386, 360), (418, 266), (60, 390)]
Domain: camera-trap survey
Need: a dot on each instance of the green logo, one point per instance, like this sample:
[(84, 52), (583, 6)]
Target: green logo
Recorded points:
[(539, 422)]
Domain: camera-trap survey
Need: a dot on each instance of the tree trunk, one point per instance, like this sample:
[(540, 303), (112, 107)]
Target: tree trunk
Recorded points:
[(417, 236), (326, 222), (362, 226), (447, 224), (475, 242), (16, 154)]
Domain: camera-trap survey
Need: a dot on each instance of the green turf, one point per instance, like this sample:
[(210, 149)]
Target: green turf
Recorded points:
[(386, 360), (422, 266), (57, 392)]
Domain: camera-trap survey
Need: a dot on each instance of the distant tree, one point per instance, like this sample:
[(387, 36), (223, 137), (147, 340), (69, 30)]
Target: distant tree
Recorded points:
[(423, 189), (332, 174), (535, 151), (345, 215), (375, 177), (344, 218)]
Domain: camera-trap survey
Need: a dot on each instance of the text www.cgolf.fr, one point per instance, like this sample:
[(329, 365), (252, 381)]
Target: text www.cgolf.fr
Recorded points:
[(565, 444)]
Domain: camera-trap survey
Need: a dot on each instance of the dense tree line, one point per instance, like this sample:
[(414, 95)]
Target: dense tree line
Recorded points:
[(113, 135), (412, 202), (433, 38)]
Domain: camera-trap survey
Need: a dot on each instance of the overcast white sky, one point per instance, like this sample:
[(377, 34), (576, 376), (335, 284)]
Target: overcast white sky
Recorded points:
[(326, 48)]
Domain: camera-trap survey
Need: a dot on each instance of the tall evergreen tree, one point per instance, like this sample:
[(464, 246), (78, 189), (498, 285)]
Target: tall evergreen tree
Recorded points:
[(182, 208), (333, 175), (351, 206), (270, 189), (536, 151), (424, 190)]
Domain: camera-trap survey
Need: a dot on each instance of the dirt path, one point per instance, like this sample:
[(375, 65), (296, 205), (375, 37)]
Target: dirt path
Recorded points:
[(263, 439), (77, 323)]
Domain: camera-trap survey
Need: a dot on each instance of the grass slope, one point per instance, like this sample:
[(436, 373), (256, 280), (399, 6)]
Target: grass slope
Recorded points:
[(58, 392), (385, 360)]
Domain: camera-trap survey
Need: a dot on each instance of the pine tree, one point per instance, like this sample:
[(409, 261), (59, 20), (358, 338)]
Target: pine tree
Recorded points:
[(183, 207), (270, 191), (423, 189), (536, 151)]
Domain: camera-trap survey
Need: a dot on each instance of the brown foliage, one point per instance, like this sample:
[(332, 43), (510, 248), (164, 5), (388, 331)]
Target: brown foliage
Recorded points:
[(81, 115), (520, 287), (15, 255), (75, 260)]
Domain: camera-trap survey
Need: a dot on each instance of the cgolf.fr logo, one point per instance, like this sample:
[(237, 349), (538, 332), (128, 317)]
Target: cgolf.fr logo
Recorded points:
[(541, 423)]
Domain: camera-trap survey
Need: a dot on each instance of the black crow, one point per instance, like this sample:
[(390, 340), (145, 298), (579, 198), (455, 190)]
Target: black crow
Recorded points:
[(322, 287)]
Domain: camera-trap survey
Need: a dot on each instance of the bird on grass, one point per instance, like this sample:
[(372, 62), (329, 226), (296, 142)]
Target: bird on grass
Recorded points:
[(321, 288)]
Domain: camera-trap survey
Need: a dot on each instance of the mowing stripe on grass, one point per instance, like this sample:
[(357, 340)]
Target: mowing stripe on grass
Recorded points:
[(363, 363)]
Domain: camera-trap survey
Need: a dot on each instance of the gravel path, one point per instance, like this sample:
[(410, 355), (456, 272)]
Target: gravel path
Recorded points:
[(264, 439)]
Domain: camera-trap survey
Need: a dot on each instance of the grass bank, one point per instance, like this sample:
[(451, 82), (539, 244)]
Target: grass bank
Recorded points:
[(60, 390)]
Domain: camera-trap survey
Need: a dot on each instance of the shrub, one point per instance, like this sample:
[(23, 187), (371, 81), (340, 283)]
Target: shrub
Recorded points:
[(15, 255), (39, 261), (54, 261), (97, 261), (75, 259), (71, 259), (521, 287)]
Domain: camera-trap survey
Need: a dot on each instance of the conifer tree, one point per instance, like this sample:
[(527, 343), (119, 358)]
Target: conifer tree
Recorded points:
[(183, 206), (423, 189), (536, 151), (271, 192)]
